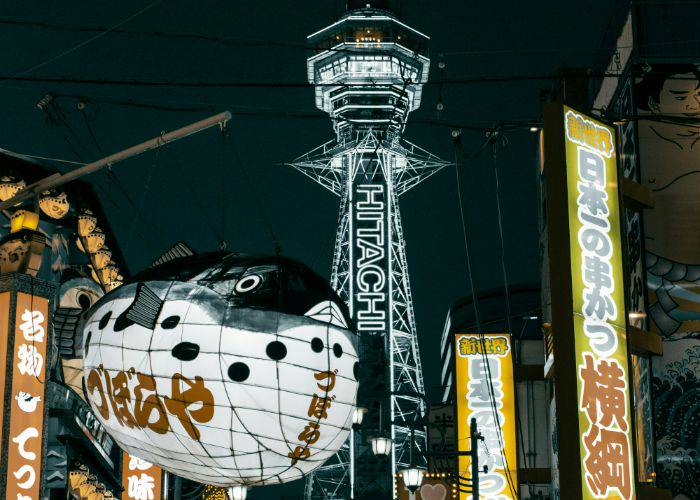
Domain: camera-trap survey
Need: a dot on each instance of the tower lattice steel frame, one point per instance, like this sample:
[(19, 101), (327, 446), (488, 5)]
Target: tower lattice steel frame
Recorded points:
[(368, 69)]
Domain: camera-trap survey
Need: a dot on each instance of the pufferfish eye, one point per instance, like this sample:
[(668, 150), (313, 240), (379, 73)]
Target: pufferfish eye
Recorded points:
[(248, 283)]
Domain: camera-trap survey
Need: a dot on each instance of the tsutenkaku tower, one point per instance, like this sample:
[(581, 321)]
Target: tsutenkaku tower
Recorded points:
[(368, 69)]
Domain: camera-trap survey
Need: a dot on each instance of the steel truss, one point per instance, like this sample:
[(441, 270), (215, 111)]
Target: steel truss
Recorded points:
[(401, 166)]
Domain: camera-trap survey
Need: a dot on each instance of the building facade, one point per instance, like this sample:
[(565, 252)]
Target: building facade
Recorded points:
[(650, 90)]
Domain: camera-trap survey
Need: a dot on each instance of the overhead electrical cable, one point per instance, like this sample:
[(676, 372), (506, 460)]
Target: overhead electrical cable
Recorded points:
[(469, 80), (256, 199), (480, 333), (79, 45), (245, 43), (500, 142), (112, 177)]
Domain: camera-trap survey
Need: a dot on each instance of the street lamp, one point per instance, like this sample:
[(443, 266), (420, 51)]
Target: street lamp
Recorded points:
[(381, 445), (238, 492), (358, 416), (412, 478)]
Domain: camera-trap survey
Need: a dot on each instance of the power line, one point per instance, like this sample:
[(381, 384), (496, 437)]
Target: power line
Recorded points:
[(57, 117), (299, 114), (483, 79), (79, 45), (480, 333), (246, 43)]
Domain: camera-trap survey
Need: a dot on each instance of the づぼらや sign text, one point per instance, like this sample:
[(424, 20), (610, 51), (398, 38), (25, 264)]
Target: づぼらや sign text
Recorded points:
[(132, 399), (318, 410)]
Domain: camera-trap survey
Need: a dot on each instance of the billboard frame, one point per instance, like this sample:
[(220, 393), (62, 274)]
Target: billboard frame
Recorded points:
[(563, 312)]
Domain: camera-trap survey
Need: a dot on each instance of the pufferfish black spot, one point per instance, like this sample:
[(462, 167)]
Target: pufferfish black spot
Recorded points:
[(276, 350), (337, 350), (87, 343), (186, 351), (105, 319), (316, 344), (170, 322), (238, 372)]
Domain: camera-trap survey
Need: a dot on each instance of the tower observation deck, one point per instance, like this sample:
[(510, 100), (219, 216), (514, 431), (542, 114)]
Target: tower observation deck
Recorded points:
[(368, 70)]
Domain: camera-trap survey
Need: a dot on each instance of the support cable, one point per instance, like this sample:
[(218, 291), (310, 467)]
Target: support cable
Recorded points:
[(256, 199), (112, 177), (81, 44), (144, 193), (500, 142), (480, 333)]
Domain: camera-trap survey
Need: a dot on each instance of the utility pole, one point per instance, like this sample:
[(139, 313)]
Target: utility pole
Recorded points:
[(474, 452)]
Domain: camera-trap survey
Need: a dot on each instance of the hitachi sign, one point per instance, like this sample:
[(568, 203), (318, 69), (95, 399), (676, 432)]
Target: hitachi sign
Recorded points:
[(370, 258)]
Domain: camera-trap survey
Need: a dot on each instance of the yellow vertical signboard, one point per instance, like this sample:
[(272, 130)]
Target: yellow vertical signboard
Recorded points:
[(485, 391), (598, 309)]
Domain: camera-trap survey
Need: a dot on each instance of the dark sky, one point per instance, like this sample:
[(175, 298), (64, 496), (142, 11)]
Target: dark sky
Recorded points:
[(179, 190)]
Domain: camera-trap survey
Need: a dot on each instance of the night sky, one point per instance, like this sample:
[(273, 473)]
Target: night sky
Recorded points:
[(178, 191)]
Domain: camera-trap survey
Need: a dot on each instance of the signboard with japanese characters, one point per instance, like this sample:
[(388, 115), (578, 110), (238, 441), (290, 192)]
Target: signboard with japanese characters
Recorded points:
[(26, 411), (4, 334), (598, 309), (141, 480), (485, 388), (435, 486)]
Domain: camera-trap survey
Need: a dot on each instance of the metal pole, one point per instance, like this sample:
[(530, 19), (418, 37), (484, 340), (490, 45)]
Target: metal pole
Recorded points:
[(475, 458), (56, 180), (352, 463), (177, 484)]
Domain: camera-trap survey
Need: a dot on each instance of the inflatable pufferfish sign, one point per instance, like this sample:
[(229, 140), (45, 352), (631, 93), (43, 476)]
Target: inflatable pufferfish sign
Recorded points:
[(223, 368)]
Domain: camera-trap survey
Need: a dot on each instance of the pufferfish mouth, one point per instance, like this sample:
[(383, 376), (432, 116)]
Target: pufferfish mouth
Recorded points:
[(327, 312)]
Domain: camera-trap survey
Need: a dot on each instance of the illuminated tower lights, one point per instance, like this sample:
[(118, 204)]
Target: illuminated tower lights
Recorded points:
[(368, 69)]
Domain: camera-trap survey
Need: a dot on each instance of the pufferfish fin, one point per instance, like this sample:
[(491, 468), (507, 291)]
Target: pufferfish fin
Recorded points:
[(144, 310), (177, 251), (327, 312)]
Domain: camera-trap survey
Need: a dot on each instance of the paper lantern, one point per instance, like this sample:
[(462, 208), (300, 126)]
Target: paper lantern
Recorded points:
[(55, 206), (108, 274), (112, 285), (86, 223), (94, 241), (22, 251), (102, 258), (224, 368), (10, 186), (24, 219)]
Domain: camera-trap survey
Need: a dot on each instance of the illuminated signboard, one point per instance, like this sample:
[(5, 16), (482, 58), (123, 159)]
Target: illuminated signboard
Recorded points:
[(141, 480), (25, 443), (435, 486), (598, 309), (485, 389), (370, 258)]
